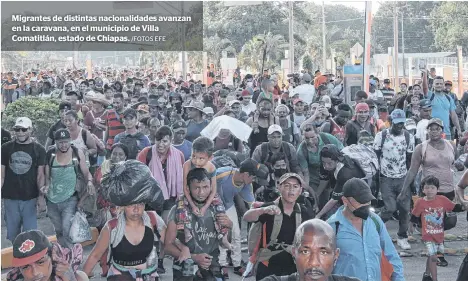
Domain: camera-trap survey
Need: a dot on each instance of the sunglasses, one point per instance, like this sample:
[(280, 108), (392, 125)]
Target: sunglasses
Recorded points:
[(21, 129)]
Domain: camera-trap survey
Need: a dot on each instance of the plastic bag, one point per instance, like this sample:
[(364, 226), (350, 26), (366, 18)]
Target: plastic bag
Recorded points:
[(79, 230), (131, 182)]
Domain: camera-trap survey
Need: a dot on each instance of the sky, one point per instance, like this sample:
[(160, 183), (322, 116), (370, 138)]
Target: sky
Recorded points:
[(360, 5)]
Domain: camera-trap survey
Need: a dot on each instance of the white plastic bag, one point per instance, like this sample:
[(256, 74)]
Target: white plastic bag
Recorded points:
[(79, 230)]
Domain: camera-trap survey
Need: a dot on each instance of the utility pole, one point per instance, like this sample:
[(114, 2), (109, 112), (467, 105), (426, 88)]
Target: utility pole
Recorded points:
[(184, 64), (324, 43), (291, 38), (395, 45), (403, 45)]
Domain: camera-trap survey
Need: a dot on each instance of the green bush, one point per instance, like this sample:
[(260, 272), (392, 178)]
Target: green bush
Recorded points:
[(42, 112)]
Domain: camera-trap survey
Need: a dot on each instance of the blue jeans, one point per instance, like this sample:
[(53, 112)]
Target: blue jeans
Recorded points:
[(60, 214), (20, 216)]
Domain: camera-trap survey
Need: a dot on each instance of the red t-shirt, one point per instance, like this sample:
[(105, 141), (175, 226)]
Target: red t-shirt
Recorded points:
[(432, 217)]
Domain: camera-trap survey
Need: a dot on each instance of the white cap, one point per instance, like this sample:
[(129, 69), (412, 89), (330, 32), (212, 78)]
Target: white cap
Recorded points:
[(275, 128), (23, 122), (208, 110), (233, 102)]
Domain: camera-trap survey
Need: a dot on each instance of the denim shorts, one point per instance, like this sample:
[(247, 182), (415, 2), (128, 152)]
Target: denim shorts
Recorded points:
[(434, 248)]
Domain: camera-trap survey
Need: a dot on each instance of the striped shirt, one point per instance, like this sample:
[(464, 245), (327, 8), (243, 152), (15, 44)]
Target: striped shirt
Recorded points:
[(388, 94), (114, 125)]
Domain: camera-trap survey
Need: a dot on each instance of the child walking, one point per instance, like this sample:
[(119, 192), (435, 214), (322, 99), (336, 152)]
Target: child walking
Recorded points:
[(202, 153), (431, 210)]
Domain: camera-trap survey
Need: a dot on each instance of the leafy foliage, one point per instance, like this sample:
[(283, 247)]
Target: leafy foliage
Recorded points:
[(307, 64), (449, 23), (43, 113)]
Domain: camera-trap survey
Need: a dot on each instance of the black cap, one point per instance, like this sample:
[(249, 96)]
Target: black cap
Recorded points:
[(425, 103), (256, 169), (386, 81), (65, 105), (130, 112), (62, 134), (29, 247), (359, 190)]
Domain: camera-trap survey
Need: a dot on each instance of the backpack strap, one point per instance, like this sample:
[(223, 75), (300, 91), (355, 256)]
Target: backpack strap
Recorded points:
[(154, 223), (433, 96), (149, 155), (265, 152), (374, 220), (384, 136), (423, 150), (407, 138), (277, 222), (84, 136), (305, 152)]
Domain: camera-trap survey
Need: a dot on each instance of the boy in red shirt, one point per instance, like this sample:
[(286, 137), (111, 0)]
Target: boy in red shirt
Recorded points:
[(431, 210)]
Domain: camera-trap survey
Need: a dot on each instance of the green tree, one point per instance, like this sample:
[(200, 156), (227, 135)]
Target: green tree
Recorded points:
[(450, 25), (250, 57), (307, 64), (419, 36), (42, 112), (215, 46)]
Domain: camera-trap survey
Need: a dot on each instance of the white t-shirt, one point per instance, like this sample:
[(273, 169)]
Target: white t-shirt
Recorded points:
[(251, 107), (421, 130), (306, 92), (376, 95)]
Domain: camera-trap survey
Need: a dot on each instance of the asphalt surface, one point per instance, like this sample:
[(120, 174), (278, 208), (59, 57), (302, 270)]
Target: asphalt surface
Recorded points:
[(413, 266)]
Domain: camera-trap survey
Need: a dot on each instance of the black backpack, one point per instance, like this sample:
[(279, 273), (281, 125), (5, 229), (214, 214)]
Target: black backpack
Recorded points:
[(132, 142), (51, 155)]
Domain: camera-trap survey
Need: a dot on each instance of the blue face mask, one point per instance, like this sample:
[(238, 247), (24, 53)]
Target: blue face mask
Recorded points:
[(318, 123)]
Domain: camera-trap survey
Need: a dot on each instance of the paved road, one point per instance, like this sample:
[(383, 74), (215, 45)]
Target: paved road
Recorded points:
[(414, 266)]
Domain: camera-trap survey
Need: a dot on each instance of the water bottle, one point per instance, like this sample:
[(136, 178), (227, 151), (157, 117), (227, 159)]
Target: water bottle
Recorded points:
[(152, 259)]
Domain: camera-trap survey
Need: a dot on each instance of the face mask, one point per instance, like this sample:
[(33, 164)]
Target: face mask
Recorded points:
[(279, 172), (362, 212), (318, 123)]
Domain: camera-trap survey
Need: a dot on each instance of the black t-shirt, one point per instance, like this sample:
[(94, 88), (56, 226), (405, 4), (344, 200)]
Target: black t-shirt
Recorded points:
[(21, 162), (348, 171), (295, 277), (57, 126), (6, 136), (283, 263)]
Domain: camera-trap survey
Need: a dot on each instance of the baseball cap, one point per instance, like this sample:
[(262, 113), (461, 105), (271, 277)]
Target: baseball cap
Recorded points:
[(179, 125), (245, 93), (143, 107), (398, 116), (435, 121), (275, 128), (23, 122), (254, 168), (196, 104), (297, 100), (208, 110), (29, 247), (410, 124), (154, 102), (291, 175), (386, 81), (231, 103), (306, 77), (62, 134), (448, 82), (359, 190), (130, 112), (425, 103)]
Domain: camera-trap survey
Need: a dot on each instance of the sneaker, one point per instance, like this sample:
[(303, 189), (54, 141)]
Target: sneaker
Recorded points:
[(442, 262), (239, 270), (403, 243), (426, 277), (225, 273)]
